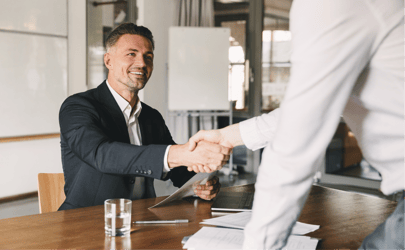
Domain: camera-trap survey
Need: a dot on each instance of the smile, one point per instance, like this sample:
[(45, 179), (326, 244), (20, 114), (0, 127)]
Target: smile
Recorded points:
[(137, 73)]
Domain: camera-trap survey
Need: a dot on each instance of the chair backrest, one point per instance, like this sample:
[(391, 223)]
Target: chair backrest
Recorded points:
[(50, 192)]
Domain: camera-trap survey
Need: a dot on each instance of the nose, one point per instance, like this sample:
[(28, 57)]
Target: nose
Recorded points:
[(140, 61)]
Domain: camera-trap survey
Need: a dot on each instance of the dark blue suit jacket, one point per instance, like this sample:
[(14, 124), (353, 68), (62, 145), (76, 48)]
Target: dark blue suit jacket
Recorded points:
[(98, 160)]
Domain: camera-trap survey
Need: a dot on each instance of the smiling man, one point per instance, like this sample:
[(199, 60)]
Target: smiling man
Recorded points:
[(113, 145)]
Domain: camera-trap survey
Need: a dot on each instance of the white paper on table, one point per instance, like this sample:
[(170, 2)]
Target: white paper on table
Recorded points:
[(227, 238), (236, 220), (186, 189), (215, 238), (301, 242), (303, 228), (239, 220)]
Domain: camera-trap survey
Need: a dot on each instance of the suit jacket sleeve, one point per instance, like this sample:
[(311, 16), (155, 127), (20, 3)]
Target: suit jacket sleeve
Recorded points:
[(94, 137)]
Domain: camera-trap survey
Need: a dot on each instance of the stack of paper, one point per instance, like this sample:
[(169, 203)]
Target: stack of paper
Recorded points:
[(239, 220), (232, 237), (227, 238)]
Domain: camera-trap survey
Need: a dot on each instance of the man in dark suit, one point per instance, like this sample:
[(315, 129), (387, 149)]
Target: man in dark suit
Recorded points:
[(113, 145)]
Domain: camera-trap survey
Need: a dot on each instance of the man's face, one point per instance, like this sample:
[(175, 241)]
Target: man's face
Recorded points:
[(130, 62)]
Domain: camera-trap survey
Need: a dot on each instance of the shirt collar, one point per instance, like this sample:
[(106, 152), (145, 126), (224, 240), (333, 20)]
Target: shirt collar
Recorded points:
[(124, 104)]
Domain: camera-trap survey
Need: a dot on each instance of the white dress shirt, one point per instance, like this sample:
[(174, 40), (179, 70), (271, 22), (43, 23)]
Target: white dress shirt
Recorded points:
[(131, 118), (347, 59)]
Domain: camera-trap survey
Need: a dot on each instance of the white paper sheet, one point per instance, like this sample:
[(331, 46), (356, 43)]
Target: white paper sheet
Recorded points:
[(186, 189), (215, 238), (225, 238), (239, 220)]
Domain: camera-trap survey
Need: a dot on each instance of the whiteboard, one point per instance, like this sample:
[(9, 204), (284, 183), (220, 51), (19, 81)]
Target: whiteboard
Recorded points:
[(198, 68), (33, 83)]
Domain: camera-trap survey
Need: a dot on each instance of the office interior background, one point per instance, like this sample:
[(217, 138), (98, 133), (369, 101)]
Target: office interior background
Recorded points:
[(51, 49)]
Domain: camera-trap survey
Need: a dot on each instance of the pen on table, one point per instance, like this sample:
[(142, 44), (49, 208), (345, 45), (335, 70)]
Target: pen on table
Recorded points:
[(160, 221)]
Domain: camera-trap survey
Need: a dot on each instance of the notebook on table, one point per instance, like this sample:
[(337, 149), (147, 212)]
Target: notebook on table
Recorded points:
[(233, 201)]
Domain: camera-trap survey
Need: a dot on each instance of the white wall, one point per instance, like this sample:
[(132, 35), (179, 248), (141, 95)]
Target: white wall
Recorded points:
[(33, 69), (21, 161), (95, 48), (77, 46), (158, 16)]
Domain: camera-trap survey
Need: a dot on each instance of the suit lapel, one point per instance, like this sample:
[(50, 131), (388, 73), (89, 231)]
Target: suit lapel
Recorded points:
[(106, 98), (144, 126)]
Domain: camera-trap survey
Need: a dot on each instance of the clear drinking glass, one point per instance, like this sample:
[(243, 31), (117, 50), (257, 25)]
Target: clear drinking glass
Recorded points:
[(117, 217)]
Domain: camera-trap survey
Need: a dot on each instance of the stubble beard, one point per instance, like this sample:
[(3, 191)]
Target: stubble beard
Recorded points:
[(135, 86)]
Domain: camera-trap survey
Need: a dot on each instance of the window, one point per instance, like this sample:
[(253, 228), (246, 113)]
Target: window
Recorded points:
[(237, 86), (276, 52)]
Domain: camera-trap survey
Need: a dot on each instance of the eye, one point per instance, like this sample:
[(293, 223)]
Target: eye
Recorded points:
[(131, 54), (150, 58)]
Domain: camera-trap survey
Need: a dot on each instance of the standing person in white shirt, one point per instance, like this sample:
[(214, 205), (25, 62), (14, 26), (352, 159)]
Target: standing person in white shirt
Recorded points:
[(347, 60)]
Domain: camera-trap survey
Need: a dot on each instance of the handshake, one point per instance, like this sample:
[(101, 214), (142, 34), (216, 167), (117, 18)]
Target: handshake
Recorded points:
[(206, 151)]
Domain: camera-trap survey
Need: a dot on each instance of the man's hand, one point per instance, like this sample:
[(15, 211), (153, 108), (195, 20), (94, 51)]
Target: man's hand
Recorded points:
[(228, 137), (209, 190), (209, 156)]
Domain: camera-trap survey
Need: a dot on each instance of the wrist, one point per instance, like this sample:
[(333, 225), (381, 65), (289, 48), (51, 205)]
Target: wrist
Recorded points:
[(231, 135), (174, 158)]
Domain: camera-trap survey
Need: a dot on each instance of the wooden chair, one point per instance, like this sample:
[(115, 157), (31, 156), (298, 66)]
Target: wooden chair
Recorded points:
[(50, 192)]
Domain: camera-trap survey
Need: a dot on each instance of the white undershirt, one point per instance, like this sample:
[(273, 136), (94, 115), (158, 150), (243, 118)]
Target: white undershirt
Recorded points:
[(135, 138)]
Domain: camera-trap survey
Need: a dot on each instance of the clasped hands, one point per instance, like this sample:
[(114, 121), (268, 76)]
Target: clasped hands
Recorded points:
[(199, 156), (226, 138), (206, 151), (217, 144)]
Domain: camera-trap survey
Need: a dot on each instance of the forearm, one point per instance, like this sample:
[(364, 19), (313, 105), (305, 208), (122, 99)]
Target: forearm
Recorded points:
[(231, 135), (115, 157), (255, 133), (258, 131)]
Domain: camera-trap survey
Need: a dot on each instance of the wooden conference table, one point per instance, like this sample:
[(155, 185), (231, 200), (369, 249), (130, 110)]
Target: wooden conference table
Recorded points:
[(345, 219)]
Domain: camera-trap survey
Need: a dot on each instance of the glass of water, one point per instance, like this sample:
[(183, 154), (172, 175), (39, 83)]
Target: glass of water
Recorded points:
[(117, 217)]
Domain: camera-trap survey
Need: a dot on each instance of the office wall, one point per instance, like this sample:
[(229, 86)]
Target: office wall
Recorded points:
[(20, 163), (95, 62), (77, 46), (33, 68), (49, 22), (158, 16)]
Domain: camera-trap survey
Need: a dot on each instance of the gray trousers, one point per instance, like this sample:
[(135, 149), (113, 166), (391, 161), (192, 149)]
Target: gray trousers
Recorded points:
[(390, 234)]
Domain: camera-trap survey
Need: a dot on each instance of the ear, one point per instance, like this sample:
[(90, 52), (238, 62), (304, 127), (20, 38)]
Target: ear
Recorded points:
[(107, 60)]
